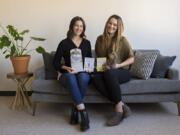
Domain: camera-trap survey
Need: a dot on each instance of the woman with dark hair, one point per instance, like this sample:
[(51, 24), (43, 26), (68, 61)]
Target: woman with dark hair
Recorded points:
[(76, 82), (115, 47)]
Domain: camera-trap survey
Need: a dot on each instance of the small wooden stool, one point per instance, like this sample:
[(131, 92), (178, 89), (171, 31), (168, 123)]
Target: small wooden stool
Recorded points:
[(21, 99)]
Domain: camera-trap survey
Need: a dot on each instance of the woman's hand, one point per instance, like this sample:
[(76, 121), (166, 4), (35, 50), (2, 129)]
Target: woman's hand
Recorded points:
[(117, 66), (69, 69), (107, 66), (127, 62)]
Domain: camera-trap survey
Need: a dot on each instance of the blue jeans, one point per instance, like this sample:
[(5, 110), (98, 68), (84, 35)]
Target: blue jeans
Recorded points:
[(77, 84)]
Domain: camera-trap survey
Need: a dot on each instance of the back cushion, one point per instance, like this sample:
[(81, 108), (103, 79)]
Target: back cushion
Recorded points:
[(50, 72), (161, 66), (143, 63)]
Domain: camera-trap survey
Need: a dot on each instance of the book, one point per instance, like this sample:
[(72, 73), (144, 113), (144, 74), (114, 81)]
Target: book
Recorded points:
[(76, 60), (89, 64), (99, 64)]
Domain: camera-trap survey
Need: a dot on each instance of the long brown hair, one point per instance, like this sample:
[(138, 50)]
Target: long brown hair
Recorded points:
[(70, 32), (112, 42)]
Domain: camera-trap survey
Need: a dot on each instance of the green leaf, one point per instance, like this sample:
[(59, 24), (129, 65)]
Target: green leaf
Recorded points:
[(7, 56), (38, 39), (23, 32), (4, 41), (13, 49), (40, 49), (4, 51), (19, 38), (13, 32)]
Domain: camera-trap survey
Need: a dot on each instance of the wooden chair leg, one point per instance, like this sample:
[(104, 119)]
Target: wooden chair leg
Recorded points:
[(178, 107), (34, 108)]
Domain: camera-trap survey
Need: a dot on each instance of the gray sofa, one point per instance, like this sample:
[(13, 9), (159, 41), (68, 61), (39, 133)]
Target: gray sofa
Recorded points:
[(152, 90)]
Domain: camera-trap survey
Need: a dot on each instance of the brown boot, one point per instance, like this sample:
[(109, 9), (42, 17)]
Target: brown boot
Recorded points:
[(116, 119), (126, 111)]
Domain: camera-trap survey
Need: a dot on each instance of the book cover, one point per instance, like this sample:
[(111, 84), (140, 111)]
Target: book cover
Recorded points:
[(76, 60), (89, 64), (99, 64)]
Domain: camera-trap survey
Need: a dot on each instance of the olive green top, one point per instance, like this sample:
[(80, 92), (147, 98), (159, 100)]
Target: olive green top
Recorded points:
[(123, 51)]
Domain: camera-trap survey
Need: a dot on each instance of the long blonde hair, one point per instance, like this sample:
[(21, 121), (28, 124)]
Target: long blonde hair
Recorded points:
[(111, 43)]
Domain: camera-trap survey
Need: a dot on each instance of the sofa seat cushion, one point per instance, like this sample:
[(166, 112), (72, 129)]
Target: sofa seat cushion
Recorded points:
[(152, 85), (54, 87), (135, 86)]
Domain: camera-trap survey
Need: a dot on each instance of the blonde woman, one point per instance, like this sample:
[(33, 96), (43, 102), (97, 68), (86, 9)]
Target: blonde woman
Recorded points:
[(115, 47)]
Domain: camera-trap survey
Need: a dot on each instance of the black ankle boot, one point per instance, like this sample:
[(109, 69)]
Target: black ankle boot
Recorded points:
[(74, 116), (84, 125)]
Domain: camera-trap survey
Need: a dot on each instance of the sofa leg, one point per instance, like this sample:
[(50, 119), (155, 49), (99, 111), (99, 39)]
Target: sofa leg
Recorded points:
[(34, 108), (178, 107)]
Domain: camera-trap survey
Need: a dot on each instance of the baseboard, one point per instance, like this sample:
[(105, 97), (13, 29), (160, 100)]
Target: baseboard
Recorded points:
[(11, 93)]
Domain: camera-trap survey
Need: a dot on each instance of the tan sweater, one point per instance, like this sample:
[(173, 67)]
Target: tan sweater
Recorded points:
[(124, 50)]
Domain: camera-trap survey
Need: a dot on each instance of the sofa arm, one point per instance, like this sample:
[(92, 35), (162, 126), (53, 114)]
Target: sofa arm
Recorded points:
[(172, 74), (39, 73)]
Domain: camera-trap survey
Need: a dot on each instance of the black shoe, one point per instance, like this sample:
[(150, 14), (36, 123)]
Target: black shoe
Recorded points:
[(74, 116), (84, 125)]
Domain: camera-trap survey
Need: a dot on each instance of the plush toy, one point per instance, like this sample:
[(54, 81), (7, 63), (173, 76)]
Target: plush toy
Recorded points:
[(111, 61)]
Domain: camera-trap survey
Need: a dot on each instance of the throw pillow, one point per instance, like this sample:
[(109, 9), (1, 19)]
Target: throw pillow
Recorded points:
[(161, 65), (50, 72), (143, 64)]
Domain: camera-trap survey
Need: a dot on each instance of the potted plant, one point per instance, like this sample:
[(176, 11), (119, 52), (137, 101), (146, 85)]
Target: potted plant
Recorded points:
[(13, 47)]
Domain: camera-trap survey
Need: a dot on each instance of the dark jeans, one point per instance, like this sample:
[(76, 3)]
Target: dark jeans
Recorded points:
[(77, 84), (108, 83)]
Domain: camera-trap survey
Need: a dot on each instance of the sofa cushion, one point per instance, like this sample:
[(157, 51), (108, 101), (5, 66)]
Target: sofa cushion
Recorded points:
[(55, 87), (161, 66), (143, 64), (50, 72), (152, 85), (135, 86)]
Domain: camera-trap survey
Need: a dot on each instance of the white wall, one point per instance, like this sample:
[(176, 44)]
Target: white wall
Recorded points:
[(149, 24)]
